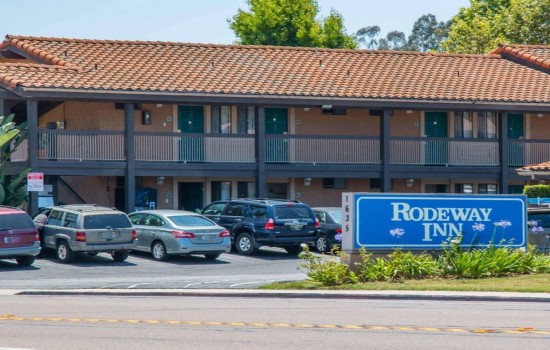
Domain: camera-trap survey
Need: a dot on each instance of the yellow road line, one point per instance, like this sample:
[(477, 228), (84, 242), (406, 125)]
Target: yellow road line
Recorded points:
[(518, 330)]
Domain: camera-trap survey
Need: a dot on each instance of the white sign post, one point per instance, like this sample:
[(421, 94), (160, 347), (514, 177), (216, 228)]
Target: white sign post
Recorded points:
[(35, 182)]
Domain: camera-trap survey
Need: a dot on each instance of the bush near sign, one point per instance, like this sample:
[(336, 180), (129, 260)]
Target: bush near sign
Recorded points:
[(425, 221)]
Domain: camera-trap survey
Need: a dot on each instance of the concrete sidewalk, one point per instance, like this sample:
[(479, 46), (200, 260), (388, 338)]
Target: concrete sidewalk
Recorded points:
[(260, 293)]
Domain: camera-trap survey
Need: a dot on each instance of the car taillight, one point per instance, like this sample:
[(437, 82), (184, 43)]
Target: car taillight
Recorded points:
[(81, 236), (224, 234), (134, 234), (317, 223), (339, 230), (270, 225), (37, 237), (181, 234)]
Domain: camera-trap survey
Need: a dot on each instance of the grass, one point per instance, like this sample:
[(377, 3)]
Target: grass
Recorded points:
[(538, 283)]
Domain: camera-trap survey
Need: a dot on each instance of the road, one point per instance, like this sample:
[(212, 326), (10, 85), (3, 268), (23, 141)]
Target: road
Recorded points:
[(140, 271), (116, 322)]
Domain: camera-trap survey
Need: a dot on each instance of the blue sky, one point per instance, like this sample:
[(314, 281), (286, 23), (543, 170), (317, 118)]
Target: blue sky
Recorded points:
[(200, 21)]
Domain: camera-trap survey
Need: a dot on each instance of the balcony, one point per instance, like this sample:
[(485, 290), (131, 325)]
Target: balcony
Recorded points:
[(108, 146)]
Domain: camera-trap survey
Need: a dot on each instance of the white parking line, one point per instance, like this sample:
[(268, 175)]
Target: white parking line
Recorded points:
[(246, 283)]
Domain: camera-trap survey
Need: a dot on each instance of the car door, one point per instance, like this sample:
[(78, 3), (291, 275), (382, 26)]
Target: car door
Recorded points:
[(232, 215), (150, 230), (52, 227)]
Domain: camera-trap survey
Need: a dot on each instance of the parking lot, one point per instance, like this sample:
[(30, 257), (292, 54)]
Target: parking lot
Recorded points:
[(141, 271)]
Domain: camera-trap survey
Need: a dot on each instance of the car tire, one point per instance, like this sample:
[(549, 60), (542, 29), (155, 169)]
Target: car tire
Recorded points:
[(293, 249), (120, 256), (245, 244), (212, 256), (64, 252), (322, 245), (158, 251), (25, 260)]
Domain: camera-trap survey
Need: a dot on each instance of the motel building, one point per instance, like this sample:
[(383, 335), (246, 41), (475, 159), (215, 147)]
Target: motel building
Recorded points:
[(178, 125)]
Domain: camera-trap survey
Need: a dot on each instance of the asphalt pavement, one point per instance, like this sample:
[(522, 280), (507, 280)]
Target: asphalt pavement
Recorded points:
[(322, 294)]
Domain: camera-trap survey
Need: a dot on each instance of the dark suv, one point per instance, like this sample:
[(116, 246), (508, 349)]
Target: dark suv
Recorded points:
[(257, 222), (18, 236)]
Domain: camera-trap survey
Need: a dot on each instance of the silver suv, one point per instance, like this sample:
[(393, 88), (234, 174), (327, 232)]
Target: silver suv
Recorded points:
[(89, 228)]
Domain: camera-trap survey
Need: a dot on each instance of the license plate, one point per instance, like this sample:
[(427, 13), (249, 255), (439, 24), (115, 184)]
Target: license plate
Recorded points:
[(12, 239), (110, 235)]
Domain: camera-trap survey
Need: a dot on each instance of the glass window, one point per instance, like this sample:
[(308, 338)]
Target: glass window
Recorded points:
[(16, 221), (104, 220), (221, 119), (221, 190), (55, 218), (70, 220), (235, 210), (245, 120), (464, 125), (487, 128), (246, 189), (135, 218), (464, 188), (334, 183), (214, 209), (487, 188), (258, 212), (191, 220)]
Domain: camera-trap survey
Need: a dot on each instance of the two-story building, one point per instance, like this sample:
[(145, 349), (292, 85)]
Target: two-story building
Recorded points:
[(178, 125)]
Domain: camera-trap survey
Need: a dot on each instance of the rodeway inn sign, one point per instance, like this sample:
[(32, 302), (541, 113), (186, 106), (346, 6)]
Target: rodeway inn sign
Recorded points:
[(423, 222)]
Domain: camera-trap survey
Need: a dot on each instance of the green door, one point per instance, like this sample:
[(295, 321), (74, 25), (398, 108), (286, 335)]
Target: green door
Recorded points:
[(276, 123), (190, 196), (515, 132), (191, 121), (436, 126)]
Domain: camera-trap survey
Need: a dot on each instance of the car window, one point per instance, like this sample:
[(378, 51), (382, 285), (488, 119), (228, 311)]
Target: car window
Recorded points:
[(292, 212), (258, 212), (190, 220), (234, 209), (114, 220), (214, 209), (55, 218), (70, 220), (152, 220), (321, 216), (337, 215), (15, 221), (135, 218)]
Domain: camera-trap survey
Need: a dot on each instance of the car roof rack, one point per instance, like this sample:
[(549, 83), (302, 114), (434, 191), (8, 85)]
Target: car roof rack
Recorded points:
[(266, 200)]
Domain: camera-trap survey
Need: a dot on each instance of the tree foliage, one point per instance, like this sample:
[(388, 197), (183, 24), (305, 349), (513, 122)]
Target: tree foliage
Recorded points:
[(367, 36), (13, 191), (483, 25), (290, 23)]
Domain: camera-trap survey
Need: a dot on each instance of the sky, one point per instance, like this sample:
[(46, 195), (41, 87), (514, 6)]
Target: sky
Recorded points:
[(192, 21)]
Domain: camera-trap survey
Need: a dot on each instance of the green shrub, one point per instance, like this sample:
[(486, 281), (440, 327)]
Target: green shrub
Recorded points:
[(536, 191), (407, 265), (329, 271)]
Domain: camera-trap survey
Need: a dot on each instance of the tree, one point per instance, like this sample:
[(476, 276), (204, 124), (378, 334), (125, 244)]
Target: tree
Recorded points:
[(290, 23), (13, 191), (395, 40), (367, 36), (427, 34), (487, 23)]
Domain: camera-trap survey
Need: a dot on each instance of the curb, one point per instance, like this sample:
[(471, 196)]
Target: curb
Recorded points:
[(354, 295)]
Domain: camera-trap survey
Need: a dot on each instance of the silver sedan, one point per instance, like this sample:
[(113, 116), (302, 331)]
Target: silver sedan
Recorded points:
[(176, 232)]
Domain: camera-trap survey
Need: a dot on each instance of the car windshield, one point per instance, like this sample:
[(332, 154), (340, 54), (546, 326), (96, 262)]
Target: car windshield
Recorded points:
[(104, 220), (190, 220), (337, 215), (14, 222)]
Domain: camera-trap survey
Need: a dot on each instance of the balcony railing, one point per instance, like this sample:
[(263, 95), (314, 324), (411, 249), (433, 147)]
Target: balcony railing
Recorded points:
[(293, 149)]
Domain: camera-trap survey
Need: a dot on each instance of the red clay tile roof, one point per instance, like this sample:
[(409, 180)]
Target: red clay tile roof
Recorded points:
[(535, 54), (536, 167), (163, 67)]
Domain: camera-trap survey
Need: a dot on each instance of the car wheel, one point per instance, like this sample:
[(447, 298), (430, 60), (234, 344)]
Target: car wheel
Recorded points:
[(212, 256), (293, 249), (64, 253), (322, 244), (245, 244), (25, 260), (158, 250), (120, 256)]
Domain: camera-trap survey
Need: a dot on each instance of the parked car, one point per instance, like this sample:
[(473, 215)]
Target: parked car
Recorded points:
[(539, 228), (89, 228), (257, 222), (176, 232), (19, 238), (330, 232)]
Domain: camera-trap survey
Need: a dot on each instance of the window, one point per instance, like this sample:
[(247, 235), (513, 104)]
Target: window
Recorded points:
[(487, 188), (70, 220), (334, 111), (214, 209), (487, 128), (245, 120), (246, 189), (375, 183), (464, 125), (334, 183), (436, 188), (258, 212), (55, 218), (464, 188), (221, 119), (221, 190), (235, 209)]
